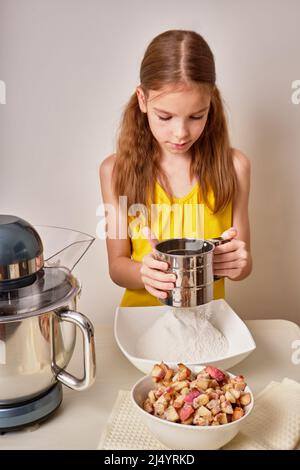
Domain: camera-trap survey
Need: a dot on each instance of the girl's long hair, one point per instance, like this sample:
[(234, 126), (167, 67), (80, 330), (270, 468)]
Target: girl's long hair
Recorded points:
[(175, 57)]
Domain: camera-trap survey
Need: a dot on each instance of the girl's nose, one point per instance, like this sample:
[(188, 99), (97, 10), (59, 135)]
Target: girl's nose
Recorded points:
[(180, 133)]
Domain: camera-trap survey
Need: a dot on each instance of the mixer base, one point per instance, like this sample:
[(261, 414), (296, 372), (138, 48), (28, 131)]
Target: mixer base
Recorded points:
[(17, 416)]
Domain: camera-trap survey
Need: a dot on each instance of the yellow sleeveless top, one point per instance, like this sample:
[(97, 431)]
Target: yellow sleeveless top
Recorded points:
[(184, 217)]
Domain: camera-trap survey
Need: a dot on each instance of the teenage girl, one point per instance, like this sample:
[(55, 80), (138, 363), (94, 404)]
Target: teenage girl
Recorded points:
[(173, 148)]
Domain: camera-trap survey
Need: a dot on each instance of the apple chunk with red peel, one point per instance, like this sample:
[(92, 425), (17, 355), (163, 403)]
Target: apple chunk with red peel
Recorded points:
[(185, 412), (215, 373), (161, 372), (157, 373), (189, 398)]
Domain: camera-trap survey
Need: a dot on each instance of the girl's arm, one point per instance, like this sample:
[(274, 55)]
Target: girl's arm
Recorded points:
[(233, 259), (122, 269)]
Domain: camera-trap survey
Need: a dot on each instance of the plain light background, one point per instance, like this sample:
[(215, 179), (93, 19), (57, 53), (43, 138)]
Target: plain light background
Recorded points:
[(71, 65)]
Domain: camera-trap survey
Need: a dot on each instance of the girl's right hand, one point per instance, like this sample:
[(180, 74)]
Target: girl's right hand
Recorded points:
[(153, 272)]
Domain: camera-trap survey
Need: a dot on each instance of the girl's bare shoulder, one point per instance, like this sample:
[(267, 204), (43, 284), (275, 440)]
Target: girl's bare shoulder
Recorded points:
[(105, 175), (106, 166), (241, 164)]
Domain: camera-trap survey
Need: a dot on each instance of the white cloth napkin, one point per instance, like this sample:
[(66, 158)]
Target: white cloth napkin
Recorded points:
[(275, 421), (273, 424), (126, 430)]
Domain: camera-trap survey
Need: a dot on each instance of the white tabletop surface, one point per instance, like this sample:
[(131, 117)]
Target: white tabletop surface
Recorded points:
[(80, 420)]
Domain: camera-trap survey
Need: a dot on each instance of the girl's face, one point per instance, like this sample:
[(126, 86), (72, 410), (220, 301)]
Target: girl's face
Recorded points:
[(176, 117)]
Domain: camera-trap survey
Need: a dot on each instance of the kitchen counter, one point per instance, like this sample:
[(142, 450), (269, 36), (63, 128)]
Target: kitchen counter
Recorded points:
[(81, 418)]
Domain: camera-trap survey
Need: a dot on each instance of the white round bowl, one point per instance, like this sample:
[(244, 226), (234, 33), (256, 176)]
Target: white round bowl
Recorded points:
[(178, 436)]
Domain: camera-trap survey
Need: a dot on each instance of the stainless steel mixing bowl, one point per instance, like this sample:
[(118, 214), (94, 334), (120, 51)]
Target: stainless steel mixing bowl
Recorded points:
[(36, 346)]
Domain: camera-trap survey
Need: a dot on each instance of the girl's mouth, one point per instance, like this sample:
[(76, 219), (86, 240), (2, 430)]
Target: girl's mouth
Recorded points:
[(179, 146)]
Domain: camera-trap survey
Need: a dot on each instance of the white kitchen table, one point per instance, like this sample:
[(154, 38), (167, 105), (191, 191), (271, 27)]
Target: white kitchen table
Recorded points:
[(81, 418)]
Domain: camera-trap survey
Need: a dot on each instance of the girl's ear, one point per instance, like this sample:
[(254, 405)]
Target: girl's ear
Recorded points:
[(141, 99)]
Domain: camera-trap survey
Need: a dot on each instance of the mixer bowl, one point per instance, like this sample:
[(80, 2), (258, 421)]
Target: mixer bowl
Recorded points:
[(36, 345)]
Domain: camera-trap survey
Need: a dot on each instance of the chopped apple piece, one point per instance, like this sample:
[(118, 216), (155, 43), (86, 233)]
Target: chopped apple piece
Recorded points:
[(201, 400), (185, 412), (157, 373), (191, 395), (215, 373), (171, 414), (237, 413), (245, 399)]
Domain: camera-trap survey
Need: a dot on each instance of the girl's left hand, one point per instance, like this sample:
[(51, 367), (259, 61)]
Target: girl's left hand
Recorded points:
[(231, 259)]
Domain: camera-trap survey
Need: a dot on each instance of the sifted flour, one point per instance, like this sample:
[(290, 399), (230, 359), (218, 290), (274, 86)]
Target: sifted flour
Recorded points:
[(182, 335)]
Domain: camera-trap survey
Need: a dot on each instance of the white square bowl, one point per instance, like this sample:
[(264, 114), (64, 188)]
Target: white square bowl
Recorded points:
[(131, 322)]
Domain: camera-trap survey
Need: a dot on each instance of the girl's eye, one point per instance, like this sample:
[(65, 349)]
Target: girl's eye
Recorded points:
[(163, 119), (168, 118)]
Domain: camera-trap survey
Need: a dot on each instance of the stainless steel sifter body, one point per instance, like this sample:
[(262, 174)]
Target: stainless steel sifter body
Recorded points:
[(191, 260)]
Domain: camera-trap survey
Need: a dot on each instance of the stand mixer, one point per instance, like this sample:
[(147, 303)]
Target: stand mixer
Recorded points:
[(38, 320)]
